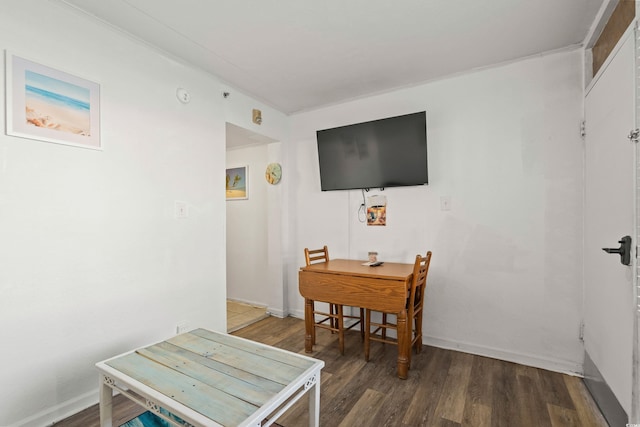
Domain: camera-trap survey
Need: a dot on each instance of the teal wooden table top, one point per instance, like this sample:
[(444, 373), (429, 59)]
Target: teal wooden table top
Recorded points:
[(223, 377)]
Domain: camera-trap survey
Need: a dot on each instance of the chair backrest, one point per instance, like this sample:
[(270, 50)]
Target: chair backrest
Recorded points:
[(312, 256), (419, 283)]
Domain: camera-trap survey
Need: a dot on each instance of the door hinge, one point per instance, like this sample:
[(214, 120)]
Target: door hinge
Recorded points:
[(634, 135), (583, 129)]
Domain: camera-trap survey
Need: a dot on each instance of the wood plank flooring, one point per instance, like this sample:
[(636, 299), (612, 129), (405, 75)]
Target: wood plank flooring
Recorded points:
[(240, 314), (445, 388)]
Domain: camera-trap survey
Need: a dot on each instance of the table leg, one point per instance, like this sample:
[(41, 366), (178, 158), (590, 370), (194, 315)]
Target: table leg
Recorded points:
[(314, 403), (403, 345), (308, 325), (106, 403)]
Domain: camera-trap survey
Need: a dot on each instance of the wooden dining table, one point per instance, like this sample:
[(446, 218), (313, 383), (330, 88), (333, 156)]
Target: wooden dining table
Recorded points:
[(351, 283)]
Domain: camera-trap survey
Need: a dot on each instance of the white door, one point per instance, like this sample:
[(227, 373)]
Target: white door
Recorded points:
[(609, 215)]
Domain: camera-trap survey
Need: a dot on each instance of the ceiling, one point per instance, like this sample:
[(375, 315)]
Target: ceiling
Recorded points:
[(298, 55)]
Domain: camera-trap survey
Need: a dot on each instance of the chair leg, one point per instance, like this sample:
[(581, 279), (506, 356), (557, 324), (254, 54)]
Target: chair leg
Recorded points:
[(418, 331), (384, 322), (366, 327), (333, 309), (409, 338), (340, 321), (362, 324), (313, 329)]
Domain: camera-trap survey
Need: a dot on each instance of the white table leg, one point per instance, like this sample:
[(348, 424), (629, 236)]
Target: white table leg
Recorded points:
[(106, 403), (314, 403)]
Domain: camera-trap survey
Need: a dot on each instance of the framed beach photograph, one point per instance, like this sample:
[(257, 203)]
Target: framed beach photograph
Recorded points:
[(237, 183), (46, 104)]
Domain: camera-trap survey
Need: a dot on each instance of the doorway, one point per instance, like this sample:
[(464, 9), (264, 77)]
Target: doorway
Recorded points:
[(254, 269)]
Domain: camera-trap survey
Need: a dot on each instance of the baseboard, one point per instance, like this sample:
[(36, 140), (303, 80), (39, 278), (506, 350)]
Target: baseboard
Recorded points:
[(556, 365), (276, 312), (602, 394), (60, 412), (298, 314)]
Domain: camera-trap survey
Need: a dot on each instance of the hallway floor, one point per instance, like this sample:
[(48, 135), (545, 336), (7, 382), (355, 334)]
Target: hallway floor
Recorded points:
[(240, 314)]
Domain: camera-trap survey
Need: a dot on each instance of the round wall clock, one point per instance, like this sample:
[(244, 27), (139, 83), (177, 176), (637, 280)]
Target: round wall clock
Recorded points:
[(273, 173)]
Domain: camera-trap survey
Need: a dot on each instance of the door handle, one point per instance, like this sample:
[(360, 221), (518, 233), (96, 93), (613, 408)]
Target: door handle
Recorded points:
[(624, 250)]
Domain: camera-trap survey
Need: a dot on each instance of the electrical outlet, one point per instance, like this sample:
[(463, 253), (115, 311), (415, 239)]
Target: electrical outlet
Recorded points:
[(181, 210), (182, 327)]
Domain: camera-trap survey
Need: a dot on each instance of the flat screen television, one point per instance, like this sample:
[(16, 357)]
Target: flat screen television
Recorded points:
[(389, 152)]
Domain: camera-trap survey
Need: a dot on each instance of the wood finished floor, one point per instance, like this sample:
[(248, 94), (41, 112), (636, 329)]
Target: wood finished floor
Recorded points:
[(445, 388), (240, 314)]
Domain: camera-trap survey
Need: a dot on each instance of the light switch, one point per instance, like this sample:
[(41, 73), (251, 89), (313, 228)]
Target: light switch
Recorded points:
[(445, 203), (181, 210)]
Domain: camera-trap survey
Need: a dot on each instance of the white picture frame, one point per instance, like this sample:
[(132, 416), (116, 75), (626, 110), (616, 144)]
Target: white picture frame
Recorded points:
[(46, 104)]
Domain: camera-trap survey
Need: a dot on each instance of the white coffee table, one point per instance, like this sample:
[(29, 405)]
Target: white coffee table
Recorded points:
[(212, 379)]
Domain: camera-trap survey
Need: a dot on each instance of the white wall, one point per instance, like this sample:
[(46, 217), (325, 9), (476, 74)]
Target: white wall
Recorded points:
[(93, 262), (504, 145)]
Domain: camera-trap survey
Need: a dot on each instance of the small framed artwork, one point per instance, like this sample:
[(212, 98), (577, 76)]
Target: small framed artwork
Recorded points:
[(46, 104), (238, 183)]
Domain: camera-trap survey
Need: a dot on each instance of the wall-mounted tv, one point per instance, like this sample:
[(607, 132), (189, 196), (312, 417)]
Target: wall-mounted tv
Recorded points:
[(381, 153)]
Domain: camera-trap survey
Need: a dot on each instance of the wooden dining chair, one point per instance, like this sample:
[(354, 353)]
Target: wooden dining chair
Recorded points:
[(415, 308), (334, 319)]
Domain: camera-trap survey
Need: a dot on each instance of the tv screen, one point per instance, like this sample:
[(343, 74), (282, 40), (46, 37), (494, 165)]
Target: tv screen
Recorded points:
[(382, 153)]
